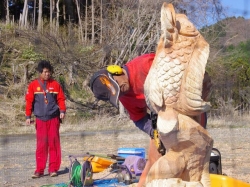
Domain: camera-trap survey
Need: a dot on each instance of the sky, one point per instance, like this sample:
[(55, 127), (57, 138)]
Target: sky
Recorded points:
[(237, 8)]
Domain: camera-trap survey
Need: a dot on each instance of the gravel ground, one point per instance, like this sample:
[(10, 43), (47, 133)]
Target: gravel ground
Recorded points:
[(17, 162)]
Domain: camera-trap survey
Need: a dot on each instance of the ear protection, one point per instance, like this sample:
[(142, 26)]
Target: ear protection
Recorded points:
[(115, 70)]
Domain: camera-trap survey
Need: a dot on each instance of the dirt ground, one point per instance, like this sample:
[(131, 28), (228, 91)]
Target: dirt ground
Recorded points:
[(17, 153)]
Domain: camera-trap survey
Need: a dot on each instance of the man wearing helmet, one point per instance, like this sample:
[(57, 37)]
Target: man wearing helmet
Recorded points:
[(127, 85)]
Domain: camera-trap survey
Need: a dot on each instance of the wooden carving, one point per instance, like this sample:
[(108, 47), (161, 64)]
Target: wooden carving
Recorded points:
[(173, 90)]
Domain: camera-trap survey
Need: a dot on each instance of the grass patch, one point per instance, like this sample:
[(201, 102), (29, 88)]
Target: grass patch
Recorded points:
[(233, 121)]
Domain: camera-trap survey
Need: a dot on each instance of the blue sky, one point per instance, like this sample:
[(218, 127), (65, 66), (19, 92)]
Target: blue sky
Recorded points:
[(237, 7)]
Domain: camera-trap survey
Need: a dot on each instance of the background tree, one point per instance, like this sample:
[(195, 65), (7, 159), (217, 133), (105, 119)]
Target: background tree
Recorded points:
[(93, 21), (80, 21), (40, 13), (24, 16), (51, 8), (86, 20), (34, 14), (7, 11)]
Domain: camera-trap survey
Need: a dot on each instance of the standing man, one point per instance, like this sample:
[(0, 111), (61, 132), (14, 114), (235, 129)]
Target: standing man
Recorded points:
[(45, 98), (127, 85)]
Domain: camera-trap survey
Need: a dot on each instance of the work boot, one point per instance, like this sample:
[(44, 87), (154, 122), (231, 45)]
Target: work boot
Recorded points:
[(53, 174), (36, 175)]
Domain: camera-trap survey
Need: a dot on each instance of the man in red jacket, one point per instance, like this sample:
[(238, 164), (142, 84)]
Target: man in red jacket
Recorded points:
[(45, 98), (127, 85)]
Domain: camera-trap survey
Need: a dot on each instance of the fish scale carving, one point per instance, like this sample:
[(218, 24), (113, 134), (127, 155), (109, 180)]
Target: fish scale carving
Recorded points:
[(169, 77), (171, 65)]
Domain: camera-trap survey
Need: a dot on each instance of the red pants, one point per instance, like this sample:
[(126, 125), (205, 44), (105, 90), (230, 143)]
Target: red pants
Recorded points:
[(48, 143)]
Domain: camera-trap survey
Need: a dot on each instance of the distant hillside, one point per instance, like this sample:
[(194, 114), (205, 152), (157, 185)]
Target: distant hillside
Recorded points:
[(237, 30), (230, 31)]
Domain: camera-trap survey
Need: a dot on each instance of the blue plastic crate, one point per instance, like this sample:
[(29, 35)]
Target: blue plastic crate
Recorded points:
[(128, 151)]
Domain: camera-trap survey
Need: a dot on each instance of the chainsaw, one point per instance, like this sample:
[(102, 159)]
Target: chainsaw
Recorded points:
[(158, 143)]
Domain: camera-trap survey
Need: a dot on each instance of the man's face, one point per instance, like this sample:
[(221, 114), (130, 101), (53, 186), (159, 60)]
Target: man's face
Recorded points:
[(45, 75), (123, 83)]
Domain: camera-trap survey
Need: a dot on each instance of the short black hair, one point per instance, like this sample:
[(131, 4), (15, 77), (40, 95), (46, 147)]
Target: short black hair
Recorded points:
[(44, 64)]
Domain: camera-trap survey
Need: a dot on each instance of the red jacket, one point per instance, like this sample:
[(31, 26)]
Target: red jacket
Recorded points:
[(134, 100), (35, 100)]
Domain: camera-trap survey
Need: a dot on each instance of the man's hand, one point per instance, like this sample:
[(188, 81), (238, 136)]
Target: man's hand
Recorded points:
[(62, 115), (28, 121)]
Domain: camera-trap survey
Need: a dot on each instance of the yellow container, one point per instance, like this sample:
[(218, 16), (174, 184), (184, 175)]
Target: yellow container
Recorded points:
[(224, 181), (98, 164)]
